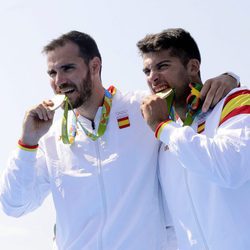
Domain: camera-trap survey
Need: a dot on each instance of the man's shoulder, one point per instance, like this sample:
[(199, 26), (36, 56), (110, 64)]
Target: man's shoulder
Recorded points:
[(236, 92), (226, 107), (235, 103), (131, 96)]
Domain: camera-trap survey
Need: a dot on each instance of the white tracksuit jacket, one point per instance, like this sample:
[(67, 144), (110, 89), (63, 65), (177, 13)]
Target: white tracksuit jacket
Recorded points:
[(206, 177), (106, 192)]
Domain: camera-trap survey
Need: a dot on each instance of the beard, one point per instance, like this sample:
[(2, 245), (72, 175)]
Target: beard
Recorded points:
[(81, 94)]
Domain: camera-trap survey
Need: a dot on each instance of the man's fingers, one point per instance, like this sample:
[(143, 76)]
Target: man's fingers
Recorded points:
[(215, 89), (205, 88), (42, 113), (48, 103), (208, 100), (218, 95)]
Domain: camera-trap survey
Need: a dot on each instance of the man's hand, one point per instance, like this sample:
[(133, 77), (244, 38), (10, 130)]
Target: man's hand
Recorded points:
[(154, 110), (215, 89), (36, 123)]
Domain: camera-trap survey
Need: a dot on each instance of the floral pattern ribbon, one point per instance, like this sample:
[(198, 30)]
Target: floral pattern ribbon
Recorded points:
[(68, 138), (194, 103)]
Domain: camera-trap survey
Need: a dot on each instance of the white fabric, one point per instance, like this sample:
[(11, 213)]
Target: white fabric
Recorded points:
[(205, 179), (106, 193)]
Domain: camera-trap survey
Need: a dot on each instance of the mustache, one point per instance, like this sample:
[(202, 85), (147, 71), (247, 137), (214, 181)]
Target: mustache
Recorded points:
[(67, 85)]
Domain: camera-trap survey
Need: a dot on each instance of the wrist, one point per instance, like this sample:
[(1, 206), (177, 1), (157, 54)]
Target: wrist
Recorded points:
[(28, 140), (155, 125), (236, 77), (160, 126)]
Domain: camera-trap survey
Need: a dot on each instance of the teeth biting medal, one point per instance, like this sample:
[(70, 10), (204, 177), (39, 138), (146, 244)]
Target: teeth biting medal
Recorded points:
[(168, 95), (165, 93), (58, 101)]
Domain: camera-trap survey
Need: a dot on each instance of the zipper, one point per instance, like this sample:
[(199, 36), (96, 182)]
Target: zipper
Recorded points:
[(93, 124), (103, 195), (205, 245)]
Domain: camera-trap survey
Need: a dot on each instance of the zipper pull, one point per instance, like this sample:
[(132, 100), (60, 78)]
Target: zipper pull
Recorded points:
[(93, 124)]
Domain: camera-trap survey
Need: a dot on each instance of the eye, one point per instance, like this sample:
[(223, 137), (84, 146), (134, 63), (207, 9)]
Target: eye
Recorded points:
[(52, 73), (68, 68), (163, 66), (146, 72)]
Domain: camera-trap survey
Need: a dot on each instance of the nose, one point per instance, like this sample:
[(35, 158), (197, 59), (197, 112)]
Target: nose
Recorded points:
[(60, 79), (153, 78), (57, 80)]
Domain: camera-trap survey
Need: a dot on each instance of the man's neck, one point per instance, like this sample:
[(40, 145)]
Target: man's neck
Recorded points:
[(89, 109), (181, 111), (181, 106)]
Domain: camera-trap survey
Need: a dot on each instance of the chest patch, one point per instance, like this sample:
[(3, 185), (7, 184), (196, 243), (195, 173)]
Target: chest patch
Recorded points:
[(201, 122), (123, 119)]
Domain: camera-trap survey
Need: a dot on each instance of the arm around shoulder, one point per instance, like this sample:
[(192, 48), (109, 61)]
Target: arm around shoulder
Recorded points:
[(222, 157)]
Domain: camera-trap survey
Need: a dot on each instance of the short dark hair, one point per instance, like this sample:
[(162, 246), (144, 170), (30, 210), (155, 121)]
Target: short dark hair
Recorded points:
[(87, 45), (178, 41)]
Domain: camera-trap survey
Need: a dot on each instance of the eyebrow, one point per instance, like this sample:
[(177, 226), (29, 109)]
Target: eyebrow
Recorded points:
[(158, 64), (67, 65), (61, 67), (164, 61)]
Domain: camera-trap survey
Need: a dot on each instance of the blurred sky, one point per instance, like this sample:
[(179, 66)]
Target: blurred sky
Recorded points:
[(221, 29)]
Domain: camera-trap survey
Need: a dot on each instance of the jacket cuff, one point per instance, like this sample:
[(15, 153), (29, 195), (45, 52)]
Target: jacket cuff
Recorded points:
[(160, 128), (26, 155), (236, 77), (165, 130)]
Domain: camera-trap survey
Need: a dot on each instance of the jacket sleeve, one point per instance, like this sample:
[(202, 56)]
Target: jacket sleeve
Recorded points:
[(24, 183), (223, 159)]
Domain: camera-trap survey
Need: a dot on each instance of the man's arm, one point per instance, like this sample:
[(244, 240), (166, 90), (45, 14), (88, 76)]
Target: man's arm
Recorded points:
[(25, 183), (216, 88), (223, 158)]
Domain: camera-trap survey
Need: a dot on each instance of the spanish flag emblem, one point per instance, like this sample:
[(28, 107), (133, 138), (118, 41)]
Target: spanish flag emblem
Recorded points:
[(123, 122), (236, 104), (201, 127)]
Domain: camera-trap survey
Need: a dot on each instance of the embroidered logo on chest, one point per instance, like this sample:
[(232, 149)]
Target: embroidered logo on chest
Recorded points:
[(166, 148)]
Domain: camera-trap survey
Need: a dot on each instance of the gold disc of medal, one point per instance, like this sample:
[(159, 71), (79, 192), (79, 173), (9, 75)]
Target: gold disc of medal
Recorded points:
[(165, 93), (57, 101)]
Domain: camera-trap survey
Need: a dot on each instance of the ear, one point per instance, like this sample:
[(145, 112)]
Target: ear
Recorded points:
[(95, 66), (193, 67)]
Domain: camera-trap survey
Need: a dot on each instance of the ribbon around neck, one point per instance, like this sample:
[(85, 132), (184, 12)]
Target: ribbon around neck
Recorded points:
[(194, 103), (69, 138)]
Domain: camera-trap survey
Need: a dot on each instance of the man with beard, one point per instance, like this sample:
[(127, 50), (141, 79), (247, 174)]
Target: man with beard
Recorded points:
[(103, 175), (204, 158)]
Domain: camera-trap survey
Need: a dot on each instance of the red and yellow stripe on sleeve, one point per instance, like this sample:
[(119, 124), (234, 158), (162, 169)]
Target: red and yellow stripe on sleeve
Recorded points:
[(161, 127), (236, 104), (27, 147)]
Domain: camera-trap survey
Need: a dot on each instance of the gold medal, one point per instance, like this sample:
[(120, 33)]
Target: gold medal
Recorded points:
[(165, 93), (168, 95), (58, 101)]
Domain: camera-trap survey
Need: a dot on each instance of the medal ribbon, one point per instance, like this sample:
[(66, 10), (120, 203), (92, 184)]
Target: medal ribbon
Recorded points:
[(106, 107), (170, 101), (194, 103)]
